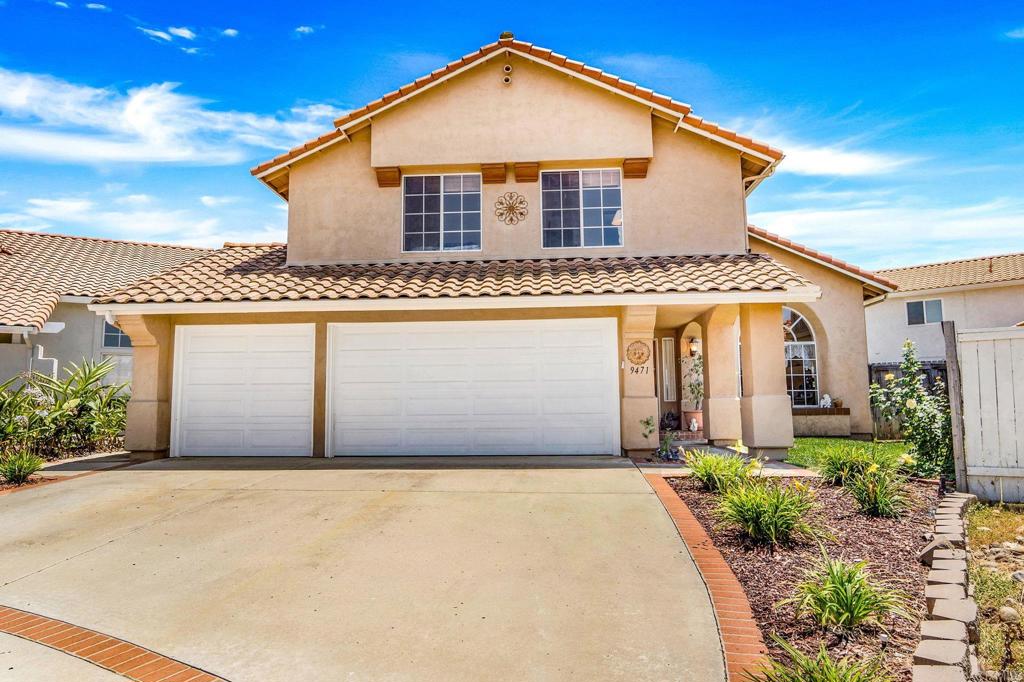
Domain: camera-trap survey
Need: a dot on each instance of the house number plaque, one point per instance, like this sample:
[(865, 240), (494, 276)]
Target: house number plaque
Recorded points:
[(638, 353)]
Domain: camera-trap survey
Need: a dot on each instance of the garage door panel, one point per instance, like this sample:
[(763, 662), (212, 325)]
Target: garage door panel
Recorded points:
[(495, 387), (243, 390)]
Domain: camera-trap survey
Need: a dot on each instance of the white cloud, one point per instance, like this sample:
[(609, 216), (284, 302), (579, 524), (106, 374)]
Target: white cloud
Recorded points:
[(211, 201), (229, 32), (304, 30), (191, 50), (182, 32), (1016, 34), (835, 160), (134, 200), (59, 3), (154, 34), (97, 6), (49, 119), (902, 231)]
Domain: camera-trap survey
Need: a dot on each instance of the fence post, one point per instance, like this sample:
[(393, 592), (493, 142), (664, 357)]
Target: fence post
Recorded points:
[(956, 404)]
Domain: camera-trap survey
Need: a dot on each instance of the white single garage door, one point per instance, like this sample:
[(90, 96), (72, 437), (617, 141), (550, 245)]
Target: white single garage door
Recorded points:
[(243, 390), (533, 387)]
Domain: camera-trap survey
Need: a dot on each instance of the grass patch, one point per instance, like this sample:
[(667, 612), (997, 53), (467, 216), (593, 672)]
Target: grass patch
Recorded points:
[(807, 452), (987, 523)]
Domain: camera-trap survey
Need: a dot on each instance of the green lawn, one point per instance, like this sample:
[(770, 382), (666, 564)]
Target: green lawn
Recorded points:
[(805, 451)]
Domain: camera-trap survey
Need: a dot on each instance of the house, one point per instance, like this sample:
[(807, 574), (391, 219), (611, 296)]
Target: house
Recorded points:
[(47, 279), (975, 293), (512, 255)]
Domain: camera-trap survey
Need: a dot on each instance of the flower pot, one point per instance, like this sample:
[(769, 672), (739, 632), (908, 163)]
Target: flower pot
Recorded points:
[(690, 415)]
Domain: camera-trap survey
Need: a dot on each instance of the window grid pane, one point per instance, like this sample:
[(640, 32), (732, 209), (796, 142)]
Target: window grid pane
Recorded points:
[(801, 359), (114, 337), (442, 213), (581, 208)]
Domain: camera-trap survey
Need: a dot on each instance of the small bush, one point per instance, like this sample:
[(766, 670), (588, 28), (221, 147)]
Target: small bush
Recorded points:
[(718, 472), (819, 668), (839, 594), (18, 467), (768, 512), (879, 492), (839, 462)]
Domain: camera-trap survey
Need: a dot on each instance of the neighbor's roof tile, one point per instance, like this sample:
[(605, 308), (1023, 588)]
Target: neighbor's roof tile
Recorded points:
[(37, 268), (957, 273), (257, 272)]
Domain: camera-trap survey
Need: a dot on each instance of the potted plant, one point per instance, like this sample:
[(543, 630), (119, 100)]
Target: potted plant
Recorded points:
[(695, 387)]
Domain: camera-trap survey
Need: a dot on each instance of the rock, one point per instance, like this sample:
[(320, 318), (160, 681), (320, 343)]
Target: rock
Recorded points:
[(1014, 547), (940, 652), (926, 554), (984, 529), (940, 577), (1018, 576), (949, 564), (963, 610), (939, 673), (991, 675), (927, 537), (1008, 614)]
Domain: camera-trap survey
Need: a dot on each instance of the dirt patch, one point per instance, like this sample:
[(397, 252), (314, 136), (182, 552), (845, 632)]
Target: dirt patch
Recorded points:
[(889, 546), (34, 481)]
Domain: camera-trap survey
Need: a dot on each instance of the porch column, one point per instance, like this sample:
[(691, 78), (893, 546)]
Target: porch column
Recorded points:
[(765, 405), (637, 366), (148, 434), (722, 426)]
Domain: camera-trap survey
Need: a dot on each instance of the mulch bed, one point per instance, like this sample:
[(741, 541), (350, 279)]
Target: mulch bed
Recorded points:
[(889, 546), (34, 481)]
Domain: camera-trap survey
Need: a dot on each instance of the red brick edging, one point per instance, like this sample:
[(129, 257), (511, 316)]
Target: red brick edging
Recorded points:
[(116, 655), (741, 639)]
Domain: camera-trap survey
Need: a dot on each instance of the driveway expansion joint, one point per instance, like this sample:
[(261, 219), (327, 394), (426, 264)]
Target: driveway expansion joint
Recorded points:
[(128, 660)]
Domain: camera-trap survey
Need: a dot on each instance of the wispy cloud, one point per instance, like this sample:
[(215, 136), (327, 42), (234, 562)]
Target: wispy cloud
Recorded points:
[(211, 201), (191, 50), (97, 6), (304, 30), (155, 34), (134, 200), (49, 119), (230, 32), (1016, 34), (902, 231), (182, 32), (60, 3), (837, 160)]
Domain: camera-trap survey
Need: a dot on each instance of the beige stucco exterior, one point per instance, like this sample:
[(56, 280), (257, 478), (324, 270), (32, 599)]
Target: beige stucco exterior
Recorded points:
[(692, 201), (970, 307)]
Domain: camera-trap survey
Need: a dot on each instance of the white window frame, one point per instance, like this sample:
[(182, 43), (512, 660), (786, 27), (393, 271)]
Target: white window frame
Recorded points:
[(924, 312), (622, 207), (440, 249), (102, 343), (667, 348), (813, 343)]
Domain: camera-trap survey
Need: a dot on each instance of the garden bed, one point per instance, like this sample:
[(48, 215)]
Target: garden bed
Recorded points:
[(34, 481), (890, 546)]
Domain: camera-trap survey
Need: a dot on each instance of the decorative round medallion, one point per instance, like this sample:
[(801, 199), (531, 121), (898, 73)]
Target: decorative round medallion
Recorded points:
[(511, 208), (638, 353)]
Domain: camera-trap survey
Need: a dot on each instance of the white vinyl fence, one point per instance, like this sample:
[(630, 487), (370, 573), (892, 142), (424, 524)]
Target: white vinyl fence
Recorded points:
[(991, 378)]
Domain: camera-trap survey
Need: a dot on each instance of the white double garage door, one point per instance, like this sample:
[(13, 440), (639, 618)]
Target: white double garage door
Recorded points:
[(523, 387)]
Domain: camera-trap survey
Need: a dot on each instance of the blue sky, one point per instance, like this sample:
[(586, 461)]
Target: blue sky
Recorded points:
[(902, 122)]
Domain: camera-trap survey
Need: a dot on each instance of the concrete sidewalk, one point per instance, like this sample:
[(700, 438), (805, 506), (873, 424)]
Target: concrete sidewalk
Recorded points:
[(449, 569)]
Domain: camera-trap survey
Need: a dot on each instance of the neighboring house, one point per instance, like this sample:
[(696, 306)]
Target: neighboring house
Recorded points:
[(46, 280), (976, 293), (511, 255)]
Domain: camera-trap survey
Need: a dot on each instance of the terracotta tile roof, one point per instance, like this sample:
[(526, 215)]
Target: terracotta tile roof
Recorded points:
[(590, 72), (958, 273), (876, 277), (37, 268), (257, 272)]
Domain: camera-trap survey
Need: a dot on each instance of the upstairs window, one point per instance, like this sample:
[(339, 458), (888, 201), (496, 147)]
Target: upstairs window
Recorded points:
[(924, 312), (441, 213), (114, 337), (581, 208)]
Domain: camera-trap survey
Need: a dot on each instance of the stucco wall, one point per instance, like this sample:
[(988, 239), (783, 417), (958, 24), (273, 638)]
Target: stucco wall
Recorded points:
[(80, 339), (977, 308), (691, 201), (840, 333)]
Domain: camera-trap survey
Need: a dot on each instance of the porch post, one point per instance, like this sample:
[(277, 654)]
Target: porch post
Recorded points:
[(765, 406), (637, 366), (721, 404), (148, 434)]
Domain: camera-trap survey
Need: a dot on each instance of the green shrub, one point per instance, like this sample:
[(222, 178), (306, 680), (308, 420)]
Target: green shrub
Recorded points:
[(879, 492), (768, 512), (18, 467), (60, 417), (838, 462), (718, 472), (840, 594), (819, 668)]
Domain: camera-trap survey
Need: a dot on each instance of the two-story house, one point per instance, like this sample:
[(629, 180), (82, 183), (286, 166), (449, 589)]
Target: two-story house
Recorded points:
[(515, 254), (975, 293)]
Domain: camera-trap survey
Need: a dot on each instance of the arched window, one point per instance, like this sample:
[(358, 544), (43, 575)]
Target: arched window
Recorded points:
[(801, 359)]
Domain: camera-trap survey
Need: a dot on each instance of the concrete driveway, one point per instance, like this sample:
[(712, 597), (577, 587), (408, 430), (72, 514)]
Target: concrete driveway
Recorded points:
[(456, 569)]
